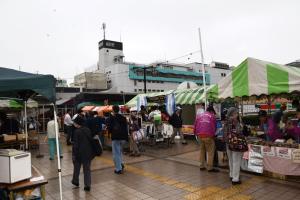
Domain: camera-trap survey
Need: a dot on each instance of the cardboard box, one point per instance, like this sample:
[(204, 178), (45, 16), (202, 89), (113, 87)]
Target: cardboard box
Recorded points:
[(21, 137), (9, 138)]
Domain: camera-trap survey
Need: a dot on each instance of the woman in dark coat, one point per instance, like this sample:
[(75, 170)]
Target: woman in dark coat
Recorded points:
[(82, 153)]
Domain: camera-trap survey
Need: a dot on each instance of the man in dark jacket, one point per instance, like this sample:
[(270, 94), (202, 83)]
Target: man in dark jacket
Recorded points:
[(176, 122), (82, 153), (117, 126)]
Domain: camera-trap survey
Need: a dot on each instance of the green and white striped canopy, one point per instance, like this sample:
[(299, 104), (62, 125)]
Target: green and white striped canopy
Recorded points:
[(182, 97), (189, 96), (257, 77)]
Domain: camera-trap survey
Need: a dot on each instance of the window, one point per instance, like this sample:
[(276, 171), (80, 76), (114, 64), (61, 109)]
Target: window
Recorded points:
[(140, 90), (134, 82), (135, 90), (149, 90), (149, 81), (162, 90), (153, 90), (139, 80)]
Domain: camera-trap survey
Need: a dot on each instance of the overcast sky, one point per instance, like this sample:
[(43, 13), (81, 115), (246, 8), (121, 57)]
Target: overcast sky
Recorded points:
[(60, 37)]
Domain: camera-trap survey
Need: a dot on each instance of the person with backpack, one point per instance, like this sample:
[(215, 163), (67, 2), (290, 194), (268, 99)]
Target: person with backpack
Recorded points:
[(82, 153), (117, 126)]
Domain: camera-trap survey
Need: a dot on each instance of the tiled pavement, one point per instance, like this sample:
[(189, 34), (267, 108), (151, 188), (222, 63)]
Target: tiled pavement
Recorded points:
[(160, 176)]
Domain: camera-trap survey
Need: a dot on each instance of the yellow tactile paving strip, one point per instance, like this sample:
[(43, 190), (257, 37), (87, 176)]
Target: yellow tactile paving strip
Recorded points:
[(206, 193)]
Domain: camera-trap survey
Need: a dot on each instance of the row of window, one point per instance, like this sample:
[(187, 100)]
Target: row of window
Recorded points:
[(151, 81), (223, 74), (149, 90)]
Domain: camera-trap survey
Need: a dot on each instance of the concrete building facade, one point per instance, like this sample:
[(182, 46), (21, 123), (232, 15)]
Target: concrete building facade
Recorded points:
[(126, 77)]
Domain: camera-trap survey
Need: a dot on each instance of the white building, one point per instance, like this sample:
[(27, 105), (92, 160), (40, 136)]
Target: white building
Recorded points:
[(91, 80), (160, 76)]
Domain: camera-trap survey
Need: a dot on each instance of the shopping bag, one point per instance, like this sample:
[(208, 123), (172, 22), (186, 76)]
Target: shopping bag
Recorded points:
[(138, 135), (97, 145), (237, 142)]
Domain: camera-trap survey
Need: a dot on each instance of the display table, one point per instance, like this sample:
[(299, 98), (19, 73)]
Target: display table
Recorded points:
[(281, 166), (26, 184), (272, 159), (13, 144)]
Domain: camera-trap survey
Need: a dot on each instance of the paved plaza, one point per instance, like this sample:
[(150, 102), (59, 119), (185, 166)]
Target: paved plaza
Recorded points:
[(160, 173)]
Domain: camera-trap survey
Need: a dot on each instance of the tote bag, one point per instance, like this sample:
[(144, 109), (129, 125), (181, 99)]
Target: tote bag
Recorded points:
[(237, 142), (97, 145)]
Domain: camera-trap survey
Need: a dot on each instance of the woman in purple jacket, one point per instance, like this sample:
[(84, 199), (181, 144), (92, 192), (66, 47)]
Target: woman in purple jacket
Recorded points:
[(205, 129)]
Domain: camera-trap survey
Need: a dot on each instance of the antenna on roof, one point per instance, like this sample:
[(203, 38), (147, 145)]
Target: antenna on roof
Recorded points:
[(103, 28)]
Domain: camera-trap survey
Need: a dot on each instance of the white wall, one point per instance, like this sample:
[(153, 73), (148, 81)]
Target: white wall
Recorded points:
[(106, 57), (119, 77)]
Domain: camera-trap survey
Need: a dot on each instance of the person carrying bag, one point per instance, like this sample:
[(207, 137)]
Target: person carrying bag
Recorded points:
[(235, 144)]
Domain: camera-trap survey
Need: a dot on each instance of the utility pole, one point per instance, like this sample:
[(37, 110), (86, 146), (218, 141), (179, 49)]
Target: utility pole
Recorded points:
[(203, 68), (103, 27), (145, 81)]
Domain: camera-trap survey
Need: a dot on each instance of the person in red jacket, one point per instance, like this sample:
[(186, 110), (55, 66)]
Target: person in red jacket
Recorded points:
[(205, 129)]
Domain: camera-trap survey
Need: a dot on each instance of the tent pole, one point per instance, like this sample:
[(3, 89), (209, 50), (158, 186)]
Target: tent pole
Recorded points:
[(57, 152), (203, 68), (44, 119), (25, 122)]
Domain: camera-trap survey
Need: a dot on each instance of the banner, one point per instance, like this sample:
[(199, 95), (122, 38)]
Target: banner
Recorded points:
[(255, 162), (296, 156), (269, 151), (141, 101), (170, 104), (283, 152)]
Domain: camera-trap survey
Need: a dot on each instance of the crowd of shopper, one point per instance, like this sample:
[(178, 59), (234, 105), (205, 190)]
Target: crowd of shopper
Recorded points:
[(82, 127)]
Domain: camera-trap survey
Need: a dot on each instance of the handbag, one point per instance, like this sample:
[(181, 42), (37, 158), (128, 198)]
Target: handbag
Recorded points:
[(97, 145), (237, 142)]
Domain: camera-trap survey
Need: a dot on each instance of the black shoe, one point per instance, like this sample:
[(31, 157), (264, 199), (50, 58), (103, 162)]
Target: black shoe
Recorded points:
[(61, 156), (236, 182), (75, 184), (87, 188), (123, 166), (213, 170), (118, 172), (202, 168)]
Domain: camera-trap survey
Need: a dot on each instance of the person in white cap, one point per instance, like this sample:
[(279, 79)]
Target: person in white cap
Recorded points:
[(176, 121)]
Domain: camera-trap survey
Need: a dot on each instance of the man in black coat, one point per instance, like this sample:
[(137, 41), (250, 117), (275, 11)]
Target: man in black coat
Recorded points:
[(82, 153), (118, 127), (176, 122)]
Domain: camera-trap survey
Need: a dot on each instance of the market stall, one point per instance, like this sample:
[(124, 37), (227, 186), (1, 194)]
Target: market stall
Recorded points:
[(253, 80), (22, 85)]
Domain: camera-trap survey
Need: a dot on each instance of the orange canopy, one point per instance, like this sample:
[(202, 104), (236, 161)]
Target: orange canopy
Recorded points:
[(88, 108)]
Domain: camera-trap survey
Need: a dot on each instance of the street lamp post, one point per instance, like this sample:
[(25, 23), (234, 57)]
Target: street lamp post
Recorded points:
[(145, 81), (123, 94)]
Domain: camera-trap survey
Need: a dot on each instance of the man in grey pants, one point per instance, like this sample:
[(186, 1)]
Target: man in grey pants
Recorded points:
[(82, 153)]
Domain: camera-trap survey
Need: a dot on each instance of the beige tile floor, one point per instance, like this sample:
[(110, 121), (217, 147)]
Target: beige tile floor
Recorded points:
[(157, 175)]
